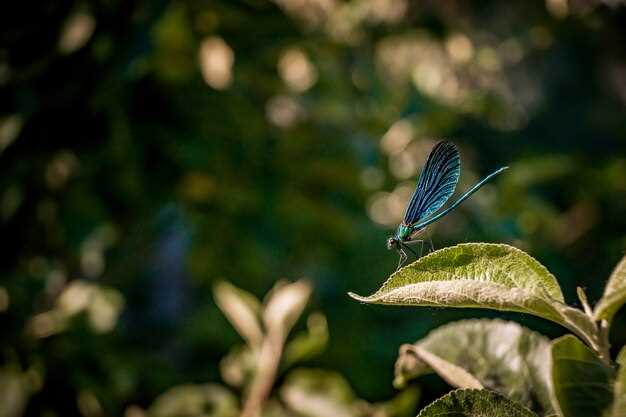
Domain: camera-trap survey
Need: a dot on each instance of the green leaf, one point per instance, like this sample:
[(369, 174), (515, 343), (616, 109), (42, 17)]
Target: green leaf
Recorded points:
[(318, 393), (209, 400), (475, 403), (402, 405), (461, 266), (309, 343), (238, 366), (581, 381), (619, 388), (502, 356), (614, 294), (14, 391), (482, 275)]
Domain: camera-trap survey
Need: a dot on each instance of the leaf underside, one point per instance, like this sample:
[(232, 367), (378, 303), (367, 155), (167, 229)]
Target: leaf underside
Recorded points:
[(503, 356)]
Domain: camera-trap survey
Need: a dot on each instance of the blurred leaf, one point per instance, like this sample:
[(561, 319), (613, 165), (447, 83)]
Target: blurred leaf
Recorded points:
[(614, 293), (504, 356), (174, 57), (619, 389), (209, 400), (238, 366), (475, 403), (309, 343), (402, 405), (285, 305), (274, 408), (483, 275), (318, 393), (103, 304), (242, 309), (14, 392), (104, 309), (582, 382)]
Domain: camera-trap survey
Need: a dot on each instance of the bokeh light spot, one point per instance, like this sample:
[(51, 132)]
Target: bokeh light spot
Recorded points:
[(296, 70), (77, 31), (216, 62)]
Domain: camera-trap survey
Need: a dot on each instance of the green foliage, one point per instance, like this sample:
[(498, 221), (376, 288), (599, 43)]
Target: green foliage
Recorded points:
[(195, 400), (269, 353), (457, 266), (494, 276), (318, 393), (503, 356), (619, 404), (582, 382), (614, 293), (475, 403), (564, 375), (149, 149)]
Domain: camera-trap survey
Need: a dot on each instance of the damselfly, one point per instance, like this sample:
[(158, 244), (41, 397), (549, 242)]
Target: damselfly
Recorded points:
[(435, 186)]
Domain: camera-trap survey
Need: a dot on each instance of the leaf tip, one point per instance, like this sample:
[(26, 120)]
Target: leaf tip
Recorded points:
[(358, 297)]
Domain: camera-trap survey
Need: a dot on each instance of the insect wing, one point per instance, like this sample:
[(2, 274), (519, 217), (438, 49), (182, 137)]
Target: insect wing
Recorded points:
[(436, 182)]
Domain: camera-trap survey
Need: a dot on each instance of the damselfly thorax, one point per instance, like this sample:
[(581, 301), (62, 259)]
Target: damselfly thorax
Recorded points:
[(401, 241)]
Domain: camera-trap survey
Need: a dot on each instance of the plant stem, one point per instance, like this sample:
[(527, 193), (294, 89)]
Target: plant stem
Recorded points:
[(599, 341), (269, 360), (603, 337)]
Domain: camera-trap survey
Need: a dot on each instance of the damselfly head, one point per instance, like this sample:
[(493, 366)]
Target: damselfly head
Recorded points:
[(393, 243)]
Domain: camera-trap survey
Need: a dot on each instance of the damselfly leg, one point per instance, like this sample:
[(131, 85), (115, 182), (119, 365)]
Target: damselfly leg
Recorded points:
[(416, 242), (403, 257), (402, 252)]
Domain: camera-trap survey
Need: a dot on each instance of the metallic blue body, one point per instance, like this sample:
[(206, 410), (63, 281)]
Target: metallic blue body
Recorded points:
[(435, 186)]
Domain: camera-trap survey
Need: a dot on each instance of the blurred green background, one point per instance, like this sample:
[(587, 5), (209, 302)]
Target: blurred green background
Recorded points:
[(149, 148)]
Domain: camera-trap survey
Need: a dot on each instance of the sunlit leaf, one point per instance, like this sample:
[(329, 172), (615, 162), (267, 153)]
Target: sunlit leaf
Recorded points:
[(238, 366), (614, 293), (208, 400), (482, 275), (242, 309), (453, 374), (475, 403), (502, 356), (582, 382)]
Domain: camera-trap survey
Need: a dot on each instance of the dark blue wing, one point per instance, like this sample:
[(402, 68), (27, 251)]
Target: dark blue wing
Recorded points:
[(436, 182)]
